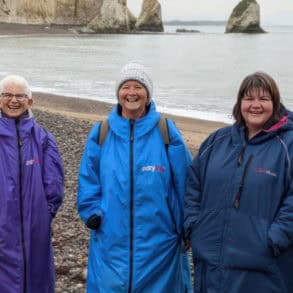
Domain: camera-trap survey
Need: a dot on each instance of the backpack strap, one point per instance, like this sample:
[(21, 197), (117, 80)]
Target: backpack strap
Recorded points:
[(163, 126), (164, 129), (103, 131)]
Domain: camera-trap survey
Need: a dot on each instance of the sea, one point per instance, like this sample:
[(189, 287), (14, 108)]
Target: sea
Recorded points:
[(194, 74)]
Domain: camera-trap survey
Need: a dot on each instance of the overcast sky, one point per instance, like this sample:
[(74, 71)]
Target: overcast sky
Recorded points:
[(272, 11)]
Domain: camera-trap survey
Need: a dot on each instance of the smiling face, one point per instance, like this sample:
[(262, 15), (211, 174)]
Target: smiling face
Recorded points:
[(14, 107), (256, 110), (133, 98)]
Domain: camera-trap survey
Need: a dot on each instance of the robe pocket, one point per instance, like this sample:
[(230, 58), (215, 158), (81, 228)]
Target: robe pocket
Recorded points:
[(206, 236), (247, 246)]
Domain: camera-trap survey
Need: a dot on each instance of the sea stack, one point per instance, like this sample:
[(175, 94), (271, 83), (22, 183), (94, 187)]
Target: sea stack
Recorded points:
[(150, 18), (245, 18), (111, 18)]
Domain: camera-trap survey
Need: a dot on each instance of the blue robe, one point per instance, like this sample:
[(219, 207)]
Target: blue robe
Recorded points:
[(239, 211), (137, 186)]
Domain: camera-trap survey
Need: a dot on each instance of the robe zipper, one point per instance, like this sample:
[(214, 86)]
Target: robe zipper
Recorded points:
[(19, 146), (131, 207), (240, 189)]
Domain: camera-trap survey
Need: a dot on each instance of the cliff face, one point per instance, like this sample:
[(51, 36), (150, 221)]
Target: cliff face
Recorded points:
[(245, 18), (105, 16), (79, 12), (27, 11), (112, 17), (49, 11), (150, 18)]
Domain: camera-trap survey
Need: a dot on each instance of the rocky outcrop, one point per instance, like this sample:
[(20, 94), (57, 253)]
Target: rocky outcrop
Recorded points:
[(112, 17), (150, 18), (184, 30), (100, 16), (131, 20), (245, 18), (27, 11), (69, 12), (77, 12)]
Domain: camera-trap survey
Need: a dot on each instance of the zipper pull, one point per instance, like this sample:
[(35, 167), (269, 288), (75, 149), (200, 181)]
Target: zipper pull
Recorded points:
[(240, 158), (238, 195), (131, 129), (237, 200), (19, 140)]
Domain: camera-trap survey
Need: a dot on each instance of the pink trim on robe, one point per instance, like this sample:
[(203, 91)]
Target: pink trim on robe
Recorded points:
[(282, 122)]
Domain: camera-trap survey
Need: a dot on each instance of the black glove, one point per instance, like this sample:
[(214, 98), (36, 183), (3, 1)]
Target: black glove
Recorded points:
[(94, 222)]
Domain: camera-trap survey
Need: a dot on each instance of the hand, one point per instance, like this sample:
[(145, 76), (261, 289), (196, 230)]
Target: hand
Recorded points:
[(94, 222)]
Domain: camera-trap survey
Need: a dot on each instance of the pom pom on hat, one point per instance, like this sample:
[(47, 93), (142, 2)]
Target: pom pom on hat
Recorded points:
[(135, 71)]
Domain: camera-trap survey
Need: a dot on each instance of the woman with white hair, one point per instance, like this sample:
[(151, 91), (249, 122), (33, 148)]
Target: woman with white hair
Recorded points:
[(31, 190), (130, 195)]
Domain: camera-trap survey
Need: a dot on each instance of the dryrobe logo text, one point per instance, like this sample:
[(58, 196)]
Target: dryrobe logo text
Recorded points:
[(152, 169), (265, 171), (32, 161)]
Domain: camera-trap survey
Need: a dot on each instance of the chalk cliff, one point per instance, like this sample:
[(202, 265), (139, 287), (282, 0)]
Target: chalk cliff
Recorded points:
[(112, 17), (150, 18), (78, 12), (245, 18), (27, 11), (102, 16)]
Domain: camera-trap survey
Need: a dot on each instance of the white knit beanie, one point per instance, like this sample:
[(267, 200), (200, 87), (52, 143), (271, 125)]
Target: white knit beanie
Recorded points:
[(135, 71)]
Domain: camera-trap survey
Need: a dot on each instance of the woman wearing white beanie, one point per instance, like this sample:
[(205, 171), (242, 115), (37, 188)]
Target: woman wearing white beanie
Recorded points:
[(130, 195)]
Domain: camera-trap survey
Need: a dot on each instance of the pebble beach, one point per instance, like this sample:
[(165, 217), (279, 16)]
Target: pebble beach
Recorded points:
[(70, 120)]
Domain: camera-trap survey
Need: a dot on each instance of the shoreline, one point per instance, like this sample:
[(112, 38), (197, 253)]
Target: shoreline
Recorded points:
[(194, 130), (22, 29), (18, 29)]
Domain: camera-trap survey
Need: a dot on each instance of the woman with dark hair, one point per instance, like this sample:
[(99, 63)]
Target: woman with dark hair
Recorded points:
[(239, 198)]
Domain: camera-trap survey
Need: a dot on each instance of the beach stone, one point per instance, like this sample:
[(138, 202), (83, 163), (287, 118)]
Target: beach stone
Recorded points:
[(150, 18), (245, 18), (70, 236)]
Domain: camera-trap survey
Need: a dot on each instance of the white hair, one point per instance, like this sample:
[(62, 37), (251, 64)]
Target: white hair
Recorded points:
[(16, 80)]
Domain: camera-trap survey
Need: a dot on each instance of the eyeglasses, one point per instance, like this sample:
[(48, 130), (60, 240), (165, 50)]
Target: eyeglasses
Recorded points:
[(18, 97)]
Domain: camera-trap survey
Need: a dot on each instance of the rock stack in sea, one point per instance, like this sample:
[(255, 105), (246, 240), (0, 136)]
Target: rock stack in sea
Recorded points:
[(112, 17), (245, 18), (150, 18)]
